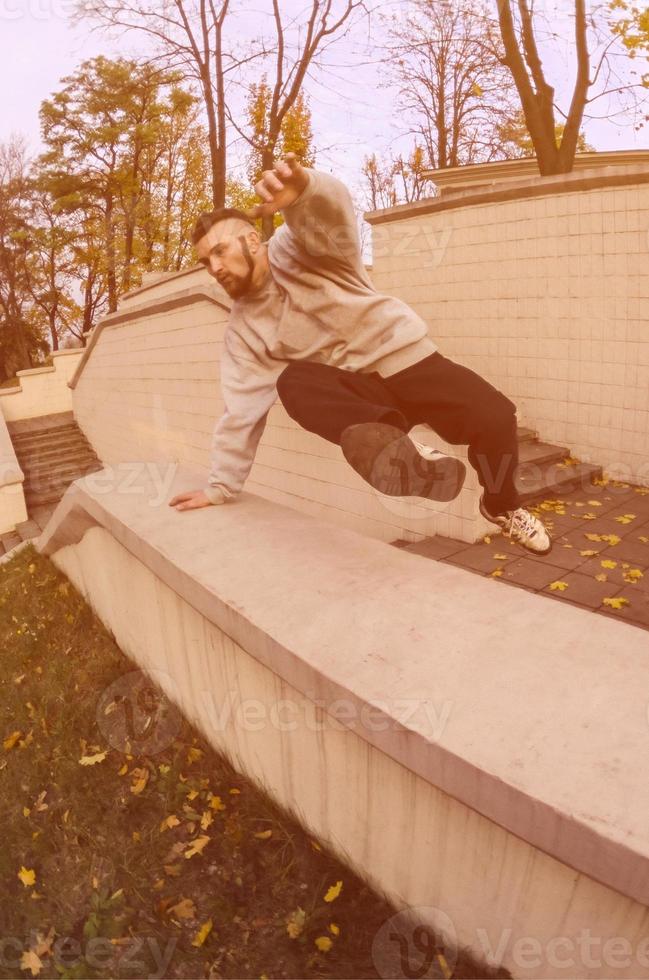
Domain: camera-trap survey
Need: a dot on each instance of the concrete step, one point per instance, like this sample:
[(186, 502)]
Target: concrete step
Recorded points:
[(22, 438), (52, 487), (17, 427), (27, 529), (44, 442), (552, 478), (9, 541), (526, 435), (55, 457), (534, 453), (56, 468)]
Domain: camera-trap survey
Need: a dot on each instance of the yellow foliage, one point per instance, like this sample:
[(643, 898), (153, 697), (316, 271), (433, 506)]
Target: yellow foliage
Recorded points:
[(202, 933), (27, 876), (333, 892)]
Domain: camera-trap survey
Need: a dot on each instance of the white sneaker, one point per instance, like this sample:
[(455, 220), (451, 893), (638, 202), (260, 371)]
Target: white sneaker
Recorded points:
[(395, 464), (522, 527)]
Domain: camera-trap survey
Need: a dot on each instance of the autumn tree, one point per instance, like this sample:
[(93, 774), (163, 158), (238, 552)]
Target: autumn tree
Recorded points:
[(189, 36), (124, 154), (295, 136), (517, 142), (454, 93), (399, 181), (276, 107), (18, 343), (598, 71)]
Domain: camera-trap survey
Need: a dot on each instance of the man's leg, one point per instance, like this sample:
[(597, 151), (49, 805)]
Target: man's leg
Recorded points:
[(325, 399), (465, 409), (359, 413)]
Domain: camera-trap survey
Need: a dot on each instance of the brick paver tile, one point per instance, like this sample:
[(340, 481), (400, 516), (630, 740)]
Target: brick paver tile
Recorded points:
[(564, 557), (637, 610), (594, 566), (531, 573), (480, 557), (436, 547), (584, 590)]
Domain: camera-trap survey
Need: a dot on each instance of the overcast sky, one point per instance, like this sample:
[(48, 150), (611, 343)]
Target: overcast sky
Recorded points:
[(39, 45)]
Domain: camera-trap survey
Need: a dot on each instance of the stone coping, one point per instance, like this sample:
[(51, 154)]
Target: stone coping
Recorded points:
[(514, 191), (156, 280), (37, 370), (523, 708), (183, 297), (497, 170), (10, 471)]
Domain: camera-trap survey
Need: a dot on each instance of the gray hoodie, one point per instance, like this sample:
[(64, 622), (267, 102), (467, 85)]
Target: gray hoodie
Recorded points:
[(317, 304)]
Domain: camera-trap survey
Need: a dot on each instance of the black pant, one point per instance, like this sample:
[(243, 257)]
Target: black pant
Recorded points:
[(462, 407)]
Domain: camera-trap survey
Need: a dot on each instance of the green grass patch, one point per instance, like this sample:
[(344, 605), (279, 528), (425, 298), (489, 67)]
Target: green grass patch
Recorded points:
[(122, 863)]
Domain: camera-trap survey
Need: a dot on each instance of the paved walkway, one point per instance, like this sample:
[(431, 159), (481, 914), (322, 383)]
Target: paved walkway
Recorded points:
[(599, 558)]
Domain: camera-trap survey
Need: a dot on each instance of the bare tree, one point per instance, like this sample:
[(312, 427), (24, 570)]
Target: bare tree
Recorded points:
[(524, 33), (297, 45), (454, 90)]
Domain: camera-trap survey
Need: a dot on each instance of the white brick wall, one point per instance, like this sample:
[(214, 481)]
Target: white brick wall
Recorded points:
[(547, 298), (150, 391)]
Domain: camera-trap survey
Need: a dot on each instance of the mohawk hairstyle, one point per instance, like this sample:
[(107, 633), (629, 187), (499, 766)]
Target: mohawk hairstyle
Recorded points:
[(209, 218)]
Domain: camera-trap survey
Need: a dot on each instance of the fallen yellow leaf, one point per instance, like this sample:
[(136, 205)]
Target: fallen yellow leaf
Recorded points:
[(616, 603), (185, 909), (295, 922), (263, 834), (607, 563), (27, 876), (11, 740), (140, 778), (197, 846), (30, 961), (333, 892), (91, 760), (168, 822), (323, 943), (202, 933), (558, 586)]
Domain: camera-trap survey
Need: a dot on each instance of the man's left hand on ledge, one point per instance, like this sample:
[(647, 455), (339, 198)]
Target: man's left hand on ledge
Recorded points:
[(190, 500)]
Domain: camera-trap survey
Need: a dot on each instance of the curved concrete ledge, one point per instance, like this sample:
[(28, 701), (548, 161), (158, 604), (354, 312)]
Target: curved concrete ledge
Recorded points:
[(12, 478), (182, 297), (541, 187), (528, 711)]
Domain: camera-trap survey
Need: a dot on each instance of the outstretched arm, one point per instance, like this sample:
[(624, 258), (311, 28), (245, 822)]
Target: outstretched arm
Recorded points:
[(317, 208), (249, 390)]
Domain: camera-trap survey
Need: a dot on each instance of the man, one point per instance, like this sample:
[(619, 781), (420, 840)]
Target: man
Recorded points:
[(352, 365)]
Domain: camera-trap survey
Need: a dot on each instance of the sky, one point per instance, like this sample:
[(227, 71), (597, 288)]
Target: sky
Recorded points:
[(354, 114)]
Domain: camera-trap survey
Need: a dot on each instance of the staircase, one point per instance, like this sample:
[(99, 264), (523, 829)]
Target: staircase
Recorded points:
[(542, 471), (52, 452)]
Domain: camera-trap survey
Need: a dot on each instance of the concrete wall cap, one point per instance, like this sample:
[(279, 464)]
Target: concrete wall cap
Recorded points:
[(530, 711)]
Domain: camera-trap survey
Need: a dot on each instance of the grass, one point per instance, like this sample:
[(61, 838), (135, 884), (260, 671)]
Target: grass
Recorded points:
[(119, 863)]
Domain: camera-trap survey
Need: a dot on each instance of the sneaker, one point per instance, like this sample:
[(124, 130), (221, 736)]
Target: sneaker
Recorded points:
[(522, 527), (395, 464)]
